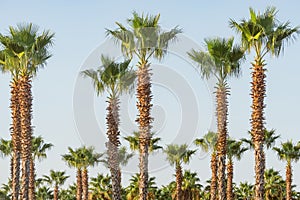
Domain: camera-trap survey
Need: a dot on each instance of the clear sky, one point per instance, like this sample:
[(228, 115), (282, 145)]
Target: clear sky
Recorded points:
[(183, 103)]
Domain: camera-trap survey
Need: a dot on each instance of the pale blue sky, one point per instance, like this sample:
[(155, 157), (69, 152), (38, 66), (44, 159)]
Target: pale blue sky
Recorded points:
[(80, 28)]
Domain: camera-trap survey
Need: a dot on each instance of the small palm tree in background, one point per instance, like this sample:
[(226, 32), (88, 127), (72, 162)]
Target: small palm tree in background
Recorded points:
[(73, 160), (245, 191), (6, 150), (264, 34), (209, 144), (289, 153), (221, 61), (56, 179), (39, 149), (270, 138), (274, 185), (234, 150), (176, 155), (115, 79), (101, 187), (143, 39)]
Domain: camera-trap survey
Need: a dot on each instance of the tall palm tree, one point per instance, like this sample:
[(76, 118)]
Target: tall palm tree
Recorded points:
[(288, 152), (234, 150), (88, 158), (25, 50), (221, 61), (39, 148), (176, 155), (113, 78), (56, 179), (209, 144), (143, 39), (73, 160), (264, 34)]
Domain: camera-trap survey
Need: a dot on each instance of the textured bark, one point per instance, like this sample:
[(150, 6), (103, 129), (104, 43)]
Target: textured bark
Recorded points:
[(85, 184), (288, 181), (222, 112), (79, 185), (32, 181), (229, 192), (55, 193), (144, 120), (213, 184), (179, 182), (113, 133), (16, 140), (25, 99), (257, 121)]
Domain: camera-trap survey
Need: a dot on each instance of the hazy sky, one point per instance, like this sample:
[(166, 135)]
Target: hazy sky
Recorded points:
[(67, 113)]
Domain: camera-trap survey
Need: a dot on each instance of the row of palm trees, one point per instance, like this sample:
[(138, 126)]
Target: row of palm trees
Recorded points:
[(186, 186), (24, 51)]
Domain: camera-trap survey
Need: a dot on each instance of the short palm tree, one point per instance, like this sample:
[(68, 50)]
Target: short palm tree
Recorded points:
[(234, 150), (115, 79), (6, 150), (245, 191), (39, 148), (176, 155), (209, 144), (264, 34), (25, 50), (270, 138), (288, 152), (101, 187), (191, 186), (143, 39), (274, 185), (134, 142), (222, 60), (56, 179), (74, 160), (89, 158)]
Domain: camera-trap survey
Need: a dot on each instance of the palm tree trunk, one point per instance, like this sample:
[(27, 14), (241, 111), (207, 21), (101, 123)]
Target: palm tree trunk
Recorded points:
[(222, 112), (25, 99), (16, 139), (213, 184), (144, 120), (288, 181), (32, 180), (178, 182), (229, 180), (79, 185), (113, 121), (257, 121), (55, 193), (85, 184)]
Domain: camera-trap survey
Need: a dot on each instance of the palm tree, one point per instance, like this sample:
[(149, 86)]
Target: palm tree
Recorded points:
[(73, 160), (6, 150), (270, 138), (209, 144), (134, 142), (113, 78), (244, 191), (44, 193), (144, 39), (221, 61), (264, 34), (288, 152), (24, 52), (57, 179), (274, 185), (176, 155), (101, 187), (88, 158), (132, 191), (39, 148), (191, 187), (234, 150)]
